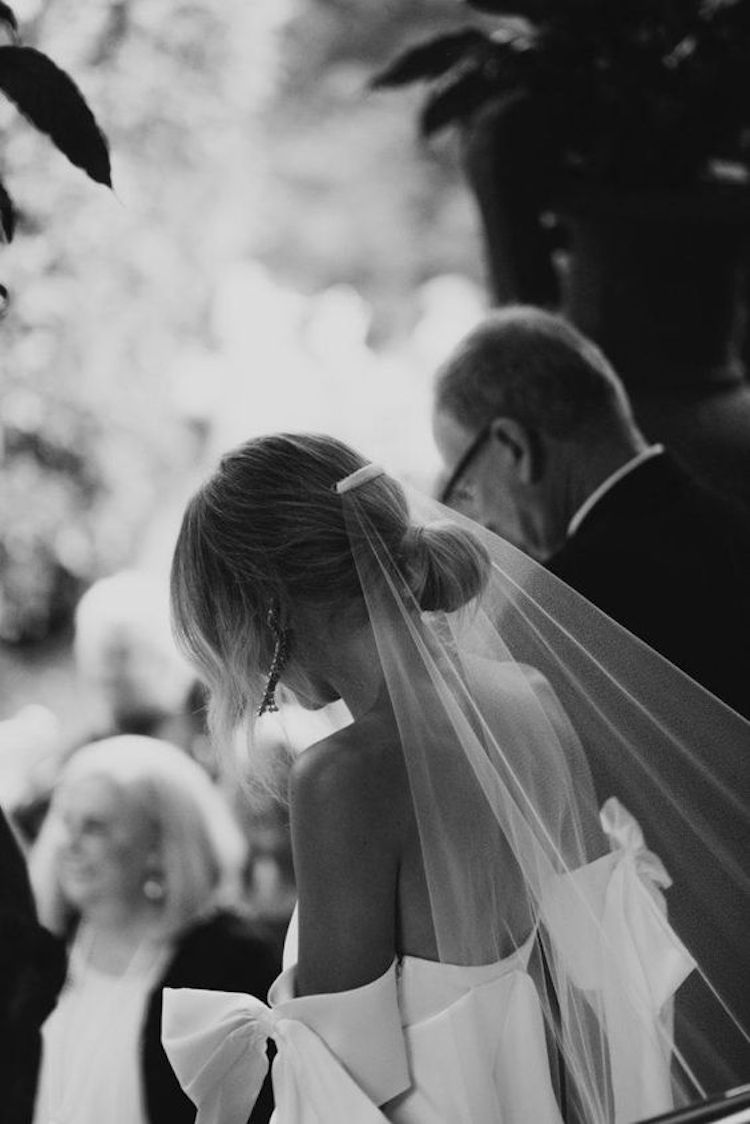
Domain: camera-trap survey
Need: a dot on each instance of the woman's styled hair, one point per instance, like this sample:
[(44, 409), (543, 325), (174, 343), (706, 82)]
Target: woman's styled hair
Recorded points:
[(200, 848), (268, 530)]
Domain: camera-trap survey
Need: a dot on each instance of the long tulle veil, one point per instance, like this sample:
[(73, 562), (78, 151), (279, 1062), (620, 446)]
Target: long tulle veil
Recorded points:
[(539, 737)]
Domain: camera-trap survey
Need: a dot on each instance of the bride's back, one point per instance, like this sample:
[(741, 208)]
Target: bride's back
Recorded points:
[(406, 830), (473, 904)]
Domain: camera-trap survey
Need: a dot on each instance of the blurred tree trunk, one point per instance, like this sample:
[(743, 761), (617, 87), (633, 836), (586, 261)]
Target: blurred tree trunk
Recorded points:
[(510, 173)]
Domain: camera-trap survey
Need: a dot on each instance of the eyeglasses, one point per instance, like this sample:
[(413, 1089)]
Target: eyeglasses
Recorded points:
[(452, 488)]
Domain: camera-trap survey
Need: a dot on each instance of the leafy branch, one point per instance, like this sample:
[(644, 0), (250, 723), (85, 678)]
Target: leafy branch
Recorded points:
[(637, 92), (50, 100)]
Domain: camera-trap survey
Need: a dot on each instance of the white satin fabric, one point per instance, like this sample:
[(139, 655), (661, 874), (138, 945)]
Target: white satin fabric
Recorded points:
[(616, 904), (216, 1042), (475, 1045), (451, 1044)]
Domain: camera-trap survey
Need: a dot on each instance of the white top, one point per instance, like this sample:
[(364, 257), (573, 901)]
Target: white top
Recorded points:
[(91, 1066), (442, 1043), (604, 487)]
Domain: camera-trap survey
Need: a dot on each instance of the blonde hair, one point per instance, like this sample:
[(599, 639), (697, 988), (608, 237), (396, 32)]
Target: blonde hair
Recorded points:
[(200, 846), (268, 529)]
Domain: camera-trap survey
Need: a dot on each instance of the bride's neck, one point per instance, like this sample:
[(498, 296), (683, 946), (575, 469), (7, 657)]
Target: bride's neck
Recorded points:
[(358, 676)]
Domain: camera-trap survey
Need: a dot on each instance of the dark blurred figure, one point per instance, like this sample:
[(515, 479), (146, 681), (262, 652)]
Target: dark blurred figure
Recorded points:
[(139, 866), (538, 436), (32, 971)]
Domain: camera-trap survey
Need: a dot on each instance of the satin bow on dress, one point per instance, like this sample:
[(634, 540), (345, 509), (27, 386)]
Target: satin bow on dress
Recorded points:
[(612, 912), (216, 1043), (453, 1044)]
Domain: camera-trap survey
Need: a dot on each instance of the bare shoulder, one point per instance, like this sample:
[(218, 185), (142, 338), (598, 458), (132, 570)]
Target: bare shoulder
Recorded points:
[(356, 773), (349, 809)]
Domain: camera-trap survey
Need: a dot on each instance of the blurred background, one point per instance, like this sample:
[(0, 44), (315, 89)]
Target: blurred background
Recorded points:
[(277, 253), (288, 247)]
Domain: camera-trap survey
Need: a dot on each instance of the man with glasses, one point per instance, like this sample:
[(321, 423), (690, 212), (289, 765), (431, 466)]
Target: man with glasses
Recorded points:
[(540, 445)]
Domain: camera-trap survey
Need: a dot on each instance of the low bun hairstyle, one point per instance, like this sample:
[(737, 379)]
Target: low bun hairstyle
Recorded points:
[(268, 528), (447, 565)]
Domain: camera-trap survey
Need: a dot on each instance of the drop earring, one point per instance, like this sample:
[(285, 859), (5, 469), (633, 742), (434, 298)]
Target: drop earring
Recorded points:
[(153, 889), (278, 661)]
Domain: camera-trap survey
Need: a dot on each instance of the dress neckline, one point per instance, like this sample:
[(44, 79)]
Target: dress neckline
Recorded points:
[(516, 959)]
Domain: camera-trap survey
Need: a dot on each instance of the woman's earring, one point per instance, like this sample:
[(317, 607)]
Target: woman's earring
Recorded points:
[(278, 662), (153, 889)]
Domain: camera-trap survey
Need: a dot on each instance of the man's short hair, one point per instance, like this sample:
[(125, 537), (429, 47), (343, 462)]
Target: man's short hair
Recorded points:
[(536, 368)]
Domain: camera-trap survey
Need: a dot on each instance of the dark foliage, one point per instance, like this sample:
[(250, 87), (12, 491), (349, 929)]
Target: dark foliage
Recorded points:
[(52, 102), (7, 16), (455, 99), (531, 8), (433, 58), (647, 92), (7, 214)]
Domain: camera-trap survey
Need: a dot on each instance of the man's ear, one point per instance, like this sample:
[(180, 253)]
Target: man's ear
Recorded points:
[(523, 448)]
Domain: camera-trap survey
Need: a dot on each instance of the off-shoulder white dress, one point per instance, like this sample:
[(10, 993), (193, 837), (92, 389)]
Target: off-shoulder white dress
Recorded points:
[(432, 1043)]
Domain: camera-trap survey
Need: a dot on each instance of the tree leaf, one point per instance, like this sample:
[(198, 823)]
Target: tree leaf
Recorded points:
[(512, 31), (430, 59), (8, 16), (525, 9), (7, 214), (455, 100), (52, 102)]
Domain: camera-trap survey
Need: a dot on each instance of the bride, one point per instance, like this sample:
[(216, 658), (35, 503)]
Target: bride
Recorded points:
[(477, 940)]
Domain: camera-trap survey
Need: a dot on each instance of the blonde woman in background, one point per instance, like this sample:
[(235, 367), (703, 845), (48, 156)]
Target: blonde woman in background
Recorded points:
[(139, 866), (130, 679)]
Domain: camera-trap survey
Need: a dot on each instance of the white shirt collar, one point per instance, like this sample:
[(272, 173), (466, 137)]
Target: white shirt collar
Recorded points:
[(604, 487)]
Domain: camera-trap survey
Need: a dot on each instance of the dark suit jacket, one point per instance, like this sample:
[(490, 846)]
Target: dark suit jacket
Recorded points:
[(225, 953), (32, 971), (670, 561)]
